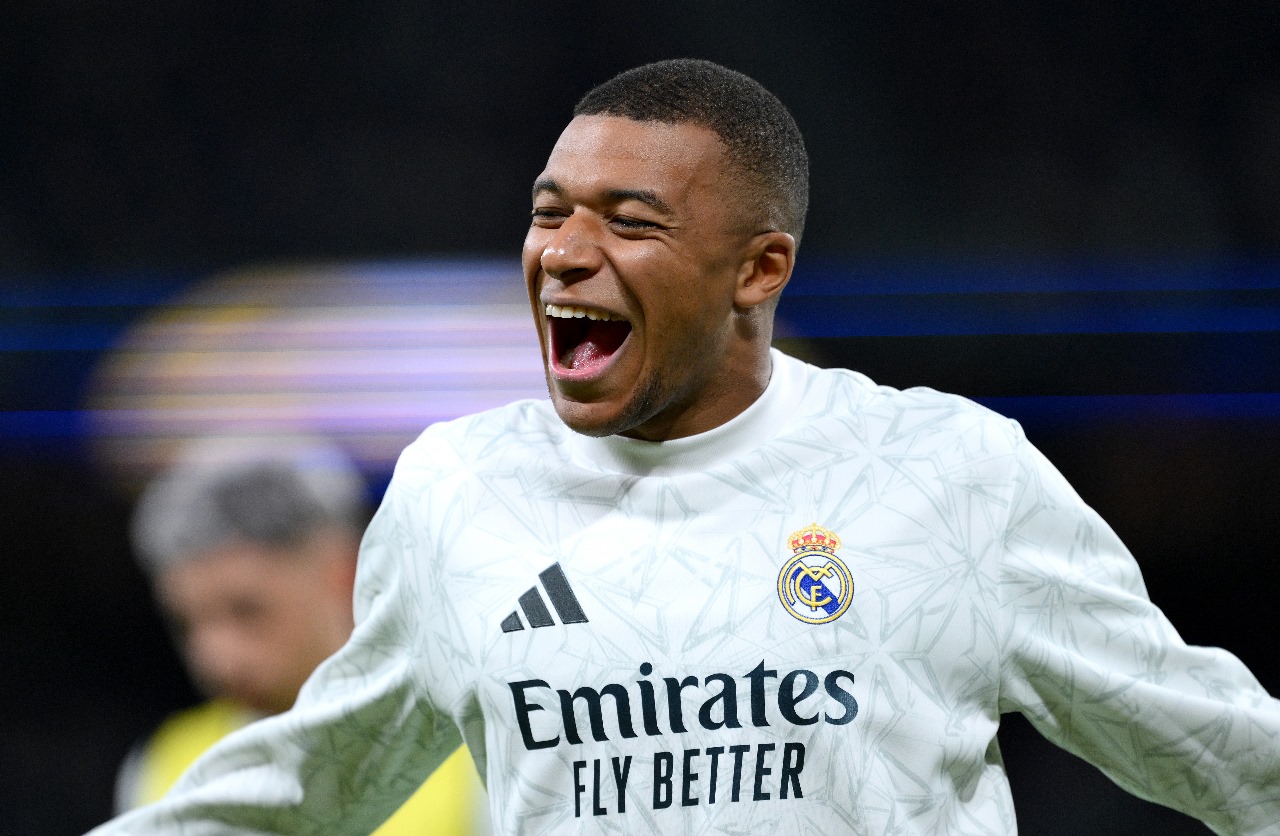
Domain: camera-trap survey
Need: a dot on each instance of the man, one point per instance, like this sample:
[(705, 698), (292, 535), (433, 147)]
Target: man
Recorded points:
[(251, 549), (712, 589)]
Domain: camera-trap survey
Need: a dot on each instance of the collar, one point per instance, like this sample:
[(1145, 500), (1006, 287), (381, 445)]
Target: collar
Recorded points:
[(755, 425)]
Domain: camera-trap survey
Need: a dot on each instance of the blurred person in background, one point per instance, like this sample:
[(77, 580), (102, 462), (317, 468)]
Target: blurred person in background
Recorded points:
[(251, 550)]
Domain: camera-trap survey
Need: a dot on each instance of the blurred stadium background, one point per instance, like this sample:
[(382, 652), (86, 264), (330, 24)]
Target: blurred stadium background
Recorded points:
[(259, 217)]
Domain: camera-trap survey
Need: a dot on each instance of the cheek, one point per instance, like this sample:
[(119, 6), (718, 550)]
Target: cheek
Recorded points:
[(299, 620), (691, 304), (655, 279), (535, 242)]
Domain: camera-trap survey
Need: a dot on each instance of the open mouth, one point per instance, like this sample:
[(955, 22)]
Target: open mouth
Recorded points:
[(584, 340)]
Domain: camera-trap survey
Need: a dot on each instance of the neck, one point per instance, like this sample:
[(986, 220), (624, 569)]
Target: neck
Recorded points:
[(717, 401)]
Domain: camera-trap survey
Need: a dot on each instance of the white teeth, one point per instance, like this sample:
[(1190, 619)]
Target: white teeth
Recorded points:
[(576, 312)]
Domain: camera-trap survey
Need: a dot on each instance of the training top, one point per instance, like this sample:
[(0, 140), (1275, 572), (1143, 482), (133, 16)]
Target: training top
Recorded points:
[(450, 803), (807, 620)]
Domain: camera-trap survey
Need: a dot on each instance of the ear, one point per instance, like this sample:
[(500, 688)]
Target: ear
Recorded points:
[(764, 275)]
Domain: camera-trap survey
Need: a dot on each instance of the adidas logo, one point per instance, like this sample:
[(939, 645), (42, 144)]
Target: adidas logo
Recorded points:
[(535, 609)]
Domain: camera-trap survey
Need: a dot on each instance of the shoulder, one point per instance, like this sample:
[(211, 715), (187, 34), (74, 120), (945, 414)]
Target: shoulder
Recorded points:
[(198, 727), (180, 739), (455, 463), (484, 439), (916, 420)]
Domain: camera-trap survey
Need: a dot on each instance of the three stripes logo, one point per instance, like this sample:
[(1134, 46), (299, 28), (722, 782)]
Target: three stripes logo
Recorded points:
[(535, 609)]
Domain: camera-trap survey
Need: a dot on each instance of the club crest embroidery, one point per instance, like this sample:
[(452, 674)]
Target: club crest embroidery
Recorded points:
[(815, 586)]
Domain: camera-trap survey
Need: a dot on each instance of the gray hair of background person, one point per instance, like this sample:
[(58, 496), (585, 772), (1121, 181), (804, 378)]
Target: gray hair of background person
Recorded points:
[(273, 493)]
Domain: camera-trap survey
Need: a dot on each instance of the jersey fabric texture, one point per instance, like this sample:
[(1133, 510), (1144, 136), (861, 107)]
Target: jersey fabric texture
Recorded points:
[(807, 620), (447, 804)]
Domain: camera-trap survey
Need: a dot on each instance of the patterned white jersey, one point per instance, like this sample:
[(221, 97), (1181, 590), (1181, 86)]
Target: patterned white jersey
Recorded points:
[(808, 620)]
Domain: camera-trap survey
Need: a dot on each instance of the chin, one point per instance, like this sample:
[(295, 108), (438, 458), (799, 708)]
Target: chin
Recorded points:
[(594, 419), (259, 702), (581, 420), (614, 417)]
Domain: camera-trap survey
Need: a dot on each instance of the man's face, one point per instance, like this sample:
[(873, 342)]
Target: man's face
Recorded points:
[(253, 623), (631, 262)]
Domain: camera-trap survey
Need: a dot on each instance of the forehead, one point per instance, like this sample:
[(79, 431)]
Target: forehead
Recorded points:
[(229, 569), (611, 152)]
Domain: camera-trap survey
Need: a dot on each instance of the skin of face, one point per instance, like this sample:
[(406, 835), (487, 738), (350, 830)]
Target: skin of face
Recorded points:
[(644, 221), (254, 622)]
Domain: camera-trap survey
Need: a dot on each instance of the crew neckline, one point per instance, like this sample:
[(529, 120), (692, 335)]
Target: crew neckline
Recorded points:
[(695, 453)]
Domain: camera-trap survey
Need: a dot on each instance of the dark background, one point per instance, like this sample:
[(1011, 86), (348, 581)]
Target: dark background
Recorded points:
[(1069, 210)]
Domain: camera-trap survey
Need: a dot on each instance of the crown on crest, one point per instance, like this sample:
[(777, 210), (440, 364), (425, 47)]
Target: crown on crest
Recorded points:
[(814, 536)]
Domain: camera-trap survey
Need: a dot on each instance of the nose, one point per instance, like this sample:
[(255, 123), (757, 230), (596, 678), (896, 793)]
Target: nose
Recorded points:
[(572, 253)]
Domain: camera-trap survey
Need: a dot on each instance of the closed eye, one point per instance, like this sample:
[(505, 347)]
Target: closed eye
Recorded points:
[(548, 218), (626, 223)]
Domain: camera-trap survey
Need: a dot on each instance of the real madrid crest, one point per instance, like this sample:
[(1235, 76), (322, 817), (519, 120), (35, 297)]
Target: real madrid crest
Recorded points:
[(814, 585)]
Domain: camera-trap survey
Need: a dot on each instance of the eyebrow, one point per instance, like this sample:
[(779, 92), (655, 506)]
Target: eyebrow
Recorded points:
[(646, 196)]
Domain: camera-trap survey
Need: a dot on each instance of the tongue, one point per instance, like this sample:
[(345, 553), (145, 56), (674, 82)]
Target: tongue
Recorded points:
[(598, 344)]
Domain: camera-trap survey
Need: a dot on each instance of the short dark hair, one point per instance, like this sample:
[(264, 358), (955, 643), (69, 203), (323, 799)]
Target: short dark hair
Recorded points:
[(272, 492), (761, 138)]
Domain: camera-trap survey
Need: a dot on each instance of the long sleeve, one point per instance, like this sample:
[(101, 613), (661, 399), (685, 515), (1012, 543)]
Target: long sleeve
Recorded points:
[(361, 738), (1101, 672)]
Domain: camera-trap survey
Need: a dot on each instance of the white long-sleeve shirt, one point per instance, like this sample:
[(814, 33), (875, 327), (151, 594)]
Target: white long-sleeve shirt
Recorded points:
[(807, 620)]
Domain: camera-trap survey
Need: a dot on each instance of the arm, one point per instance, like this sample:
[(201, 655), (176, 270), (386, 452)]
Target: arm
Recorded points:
[(360, 739), (1100, 671)]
